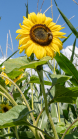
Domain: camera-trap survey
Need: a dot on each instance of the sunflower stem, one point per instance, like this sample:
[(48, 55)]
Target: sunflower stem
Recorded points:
[(5, 96), (16, 132), (32, 58), (40, 74)]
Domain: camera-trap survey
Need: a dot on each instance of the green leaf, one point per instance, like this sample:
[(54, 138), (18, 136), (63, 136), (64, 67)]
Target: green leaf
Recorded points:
[(15, 116), (65, 95), (13, 74), (74, 44), (72, 136), (69, 69), (22, 134), (26, 10), (60, 129), (73, 110), (67, 21), (35, 79), (67, 38), (22, 62), (43, 121), (59, 78)]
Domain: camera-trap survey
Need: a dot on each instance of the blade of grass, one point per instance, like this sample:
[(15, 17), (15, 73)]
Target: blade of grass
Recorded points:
[(73, 50), (67, 21), (9, 57)]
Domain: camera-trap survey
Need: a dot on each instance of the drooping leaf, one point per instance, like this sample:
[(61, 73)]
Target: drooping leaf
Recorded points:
[(22, 62), (15, 116)]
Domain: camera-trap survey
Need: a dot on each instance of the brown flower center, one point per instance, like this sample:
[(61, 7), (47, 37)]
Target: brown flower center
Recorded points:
[(41, 34), (5, 109)]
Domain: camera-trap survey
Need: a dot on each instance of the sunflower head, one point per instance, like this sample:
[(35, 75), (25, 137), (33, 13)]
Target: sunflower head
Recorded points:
[(7, 82), (4, 108), (39, 35)]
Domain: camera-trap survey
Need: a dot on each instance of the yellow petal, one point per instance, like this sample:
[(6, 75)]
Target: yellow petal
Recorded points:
[(32, 17), (24, 40), (49, 52), (58, 34), (30, 50), (56, 28), (24, 27), (28, 23), (57, 42), (55, 48), (18, 36), (22, 31), (41, 18), (48, 21), (24, 46), (39, 51), (51, 24)]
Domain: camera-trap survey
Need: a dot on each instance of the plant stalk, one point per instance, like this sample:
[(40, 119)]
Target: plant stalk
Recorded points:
[(8, 96), (40, 74), (16, 133)]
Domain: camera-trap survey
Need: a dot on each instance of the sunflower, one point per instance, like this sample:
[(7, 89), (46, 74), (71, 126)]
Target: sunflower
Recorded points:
[(6, 80), (39, 35), (5, 108), (18, 78)]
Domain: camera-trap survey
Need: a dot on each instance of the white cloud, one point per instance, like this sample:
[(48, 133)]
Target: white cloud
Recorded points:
[(68, 53), (2, 59)]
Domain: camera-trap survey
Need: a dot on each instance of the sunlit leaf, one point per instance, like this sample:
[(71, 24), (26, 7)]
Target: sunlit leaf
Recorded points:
[(22, 62), (15, 116)]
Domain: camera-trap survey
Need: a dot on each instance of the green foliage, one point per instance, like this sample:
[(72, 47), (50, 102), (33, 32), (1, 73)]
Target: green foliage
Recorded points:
[(16, 116), (69, 69), (23, 62), (72, 56), (30, 97)]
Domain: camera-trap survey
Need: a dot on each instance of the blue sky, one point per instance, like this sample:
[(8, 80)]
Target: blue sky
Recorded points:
[(12, 12)]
